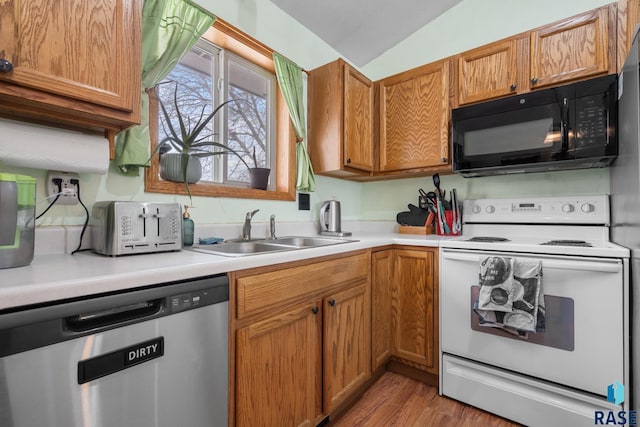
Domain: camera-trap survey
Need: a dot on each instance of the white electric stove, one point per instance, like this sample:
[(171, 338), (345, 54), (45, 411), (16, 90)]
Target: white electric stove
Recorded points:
[(560, 374), (544, 225)]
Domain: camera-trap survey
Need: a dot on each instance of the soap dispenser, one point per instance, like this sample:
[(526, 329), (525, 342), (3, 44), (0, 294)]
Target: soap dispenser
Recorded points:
[(187, 228)]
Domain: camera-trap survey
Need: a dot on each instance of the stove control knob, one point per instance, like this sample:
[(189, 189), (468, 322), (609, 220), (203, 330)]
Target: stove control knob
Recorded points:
[(475, 209), (567, 208), (587, 208), (491, 209)]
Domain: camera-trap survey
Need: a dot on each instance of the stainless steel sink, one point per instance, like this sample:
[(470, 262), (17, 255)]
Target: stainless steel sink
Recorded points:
[(255, 247), (242, 248), (306, 242)]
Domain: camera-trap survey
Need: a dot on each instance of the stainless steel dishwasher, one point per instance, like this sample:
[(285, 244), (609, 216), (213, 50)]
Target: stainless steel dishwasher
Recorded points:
[(149, 357)]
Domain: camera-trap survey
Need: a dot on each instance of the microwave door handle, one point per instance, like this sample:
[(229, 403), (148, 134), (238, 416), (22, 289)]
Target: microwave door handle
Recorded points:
[(564, 131)]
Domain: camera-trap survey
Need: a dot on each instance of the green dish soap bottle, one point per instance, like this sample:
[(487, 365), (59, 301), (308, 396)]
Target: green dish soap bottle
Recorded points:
[(187, 228)]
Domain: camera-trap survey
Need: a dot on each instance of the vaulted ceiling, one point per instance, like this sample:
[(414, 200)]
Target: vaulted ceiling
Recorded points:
[(361, 30)]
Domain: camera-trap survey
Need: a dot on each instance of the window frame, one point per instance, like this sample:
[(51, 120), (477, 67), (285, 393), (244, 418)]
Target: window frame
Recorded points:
[(227, 37)]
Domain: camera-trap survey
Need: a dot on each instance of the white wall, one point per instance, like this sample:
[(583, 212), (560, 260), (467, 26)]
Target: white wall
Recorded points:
[(470, 23)]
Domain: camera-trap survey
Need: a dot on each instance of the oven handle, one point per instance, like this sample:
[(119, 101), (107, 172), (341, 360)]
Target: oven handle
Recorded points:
[(614, 266)]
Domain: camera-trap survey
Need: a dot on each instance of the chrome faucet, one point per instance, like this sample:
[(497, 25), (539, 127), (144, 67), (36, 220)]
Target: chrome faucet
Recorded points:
[(246, 229), (272, 227)]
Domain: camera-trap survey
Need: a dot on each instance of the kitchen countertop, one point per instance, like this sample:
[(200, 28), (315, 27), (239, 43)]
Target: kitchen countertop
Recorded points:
[(54, 277)]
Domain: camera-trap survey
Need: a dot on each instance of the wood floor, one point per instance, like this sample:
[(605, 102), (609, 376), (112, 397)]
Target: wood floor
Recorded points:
[(395, 400)]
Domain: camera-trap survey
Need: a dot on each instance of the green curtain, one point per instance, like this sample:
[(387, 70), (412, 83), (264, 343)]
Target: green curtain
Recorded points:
[(170, 28), (290, 81)]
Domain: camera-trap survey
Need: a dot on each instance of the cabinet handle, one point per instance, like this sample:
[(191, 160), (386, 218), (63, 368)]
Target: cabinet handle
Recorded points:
[(513, 86), (534, 81), (5, 66), (314, 310), (332, 302)]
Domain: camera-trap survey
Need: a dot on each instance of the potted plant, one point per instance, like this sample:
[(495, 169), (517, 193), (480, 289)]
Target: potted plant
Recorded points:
[(190, 142), (258, 177)]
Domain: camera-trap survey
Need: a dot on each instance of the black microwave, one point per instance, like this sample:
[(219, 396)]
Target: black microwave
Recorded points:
[(565, 127)]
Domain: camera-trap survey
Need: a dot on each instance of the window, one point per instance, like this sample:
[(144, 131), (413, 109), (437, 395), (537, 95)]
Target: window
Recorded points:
[(228, 65)]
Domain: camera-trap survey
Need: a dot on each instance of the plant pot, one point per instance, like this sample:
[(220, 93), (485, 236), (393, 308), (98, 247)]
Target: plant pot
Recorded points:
[(259, 178), (171, 168)]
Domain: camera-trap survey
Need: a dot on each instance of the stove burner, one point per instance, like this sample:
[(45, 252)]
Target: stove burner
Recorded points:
[(487, 239), (567, 243)]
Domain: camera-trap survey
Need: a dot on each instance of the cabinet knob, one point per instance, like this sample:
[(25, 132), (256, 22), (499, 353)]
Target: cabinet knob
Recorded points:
[(534, 81), (513, 86), (314, 310), (5, 66), (444, 160), (332, 302), (349, 160)]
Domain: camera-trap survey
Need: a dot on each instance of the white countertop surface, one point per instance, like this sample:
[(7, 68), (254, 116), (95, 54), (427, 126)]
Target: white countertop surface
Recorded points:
[(53, 277)]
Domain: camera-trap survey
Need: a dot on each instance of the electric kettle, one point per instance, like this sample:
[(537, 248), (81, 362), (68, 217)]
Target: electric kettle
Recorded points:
[(330, 219), (17, 219)]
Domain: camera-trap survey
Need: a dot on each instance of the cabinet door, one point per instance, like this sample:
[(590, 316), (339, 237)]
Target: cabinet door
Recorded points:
[(358, 120), (414, 118), (487, 72), (86, 50), (628, 19), (572, 49), (381, 327), (277, 361), (347, 341), (413, 307)]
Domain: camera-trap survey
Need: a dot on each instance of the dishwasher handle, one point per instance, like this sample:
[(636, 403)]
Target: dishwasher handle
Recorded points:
[(113, 316)]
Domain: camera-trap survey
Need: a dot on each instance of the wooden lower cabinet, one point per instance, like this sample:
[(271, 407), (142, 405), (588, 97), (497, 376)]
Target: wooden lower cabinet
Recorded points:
[(277, 361), (381, 323), (347, 337), (302, 340), (414, 308), (405, 289)]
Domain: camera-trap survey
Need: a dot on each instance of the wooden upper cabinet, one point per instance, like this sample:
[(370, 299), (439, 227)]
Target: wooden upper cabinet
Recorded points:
[(488, 72), (358, 120), (575, 48), (340, 124), (628, 19), (414, 118), (75, 61)]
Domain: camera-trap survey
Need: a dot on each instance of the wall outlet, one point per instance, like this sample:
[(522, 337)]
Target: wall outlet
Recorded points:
[(69, 191)]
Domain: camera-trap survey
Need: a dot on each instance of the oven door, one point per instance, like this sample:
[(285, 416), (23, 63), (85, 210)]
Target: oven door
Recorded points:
[(583, 344)]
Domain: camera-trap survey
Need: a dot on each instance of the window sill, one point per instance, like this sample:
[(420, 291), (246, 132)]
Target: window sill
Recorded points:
[(211, 190)]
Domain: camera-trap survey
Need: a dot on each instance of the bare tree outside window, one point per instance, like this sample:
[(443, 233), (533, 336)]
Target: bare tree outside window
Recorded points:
[(246, 125), (247, 129)]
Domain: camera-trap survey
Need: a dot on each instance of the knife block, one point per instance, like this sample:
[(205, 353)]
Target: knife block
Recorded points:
[(409, 229)]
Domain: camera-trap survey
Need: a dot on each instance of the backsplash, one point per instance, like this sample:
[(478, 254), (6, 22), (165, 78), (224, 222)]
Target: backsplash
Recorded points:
[(383, 199), (378, 201), (65, 239)]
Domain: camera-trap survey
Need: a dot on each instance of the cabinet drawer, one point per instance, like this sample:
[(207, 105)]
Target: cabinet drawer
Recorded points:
[(265, 290)]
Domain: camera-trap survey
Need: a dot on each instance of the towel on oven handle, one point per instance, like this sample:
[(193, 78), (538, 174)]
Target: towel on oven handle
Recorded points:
[(496, 283), (527, 299)]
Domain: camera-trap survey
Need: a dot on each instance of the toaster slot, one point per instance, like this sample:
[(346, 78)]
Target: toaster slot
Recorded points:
[(158, 222)]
